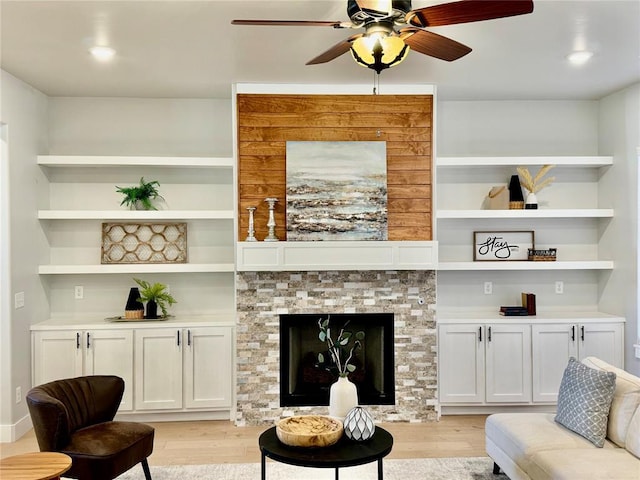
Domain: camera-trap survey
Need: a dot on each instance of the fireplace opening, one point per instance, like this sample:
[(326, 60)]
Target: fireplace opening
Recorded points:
[(306, 382)]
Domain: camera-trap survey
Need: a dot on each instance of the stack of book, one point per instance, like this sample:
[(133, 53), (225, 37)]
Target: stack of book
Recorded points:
[(513, 311), (529, 302)]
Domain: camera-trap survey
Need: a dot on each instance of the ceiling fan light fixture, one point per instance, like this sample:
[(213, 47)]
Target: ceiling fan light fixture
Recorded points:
[(101, 53), (379, 50), (579, 57)]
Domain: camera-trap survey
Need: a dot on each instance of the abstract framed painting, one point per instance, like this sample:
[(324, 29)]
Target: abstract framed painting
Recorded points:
[(336, 191)]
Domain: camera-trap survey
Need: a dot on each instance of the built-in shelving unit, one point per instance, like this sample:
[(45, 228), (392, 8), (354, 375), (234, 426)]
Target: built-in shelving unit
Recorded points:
[(80, 194), (573, 216), (487, 361), (570, 204)]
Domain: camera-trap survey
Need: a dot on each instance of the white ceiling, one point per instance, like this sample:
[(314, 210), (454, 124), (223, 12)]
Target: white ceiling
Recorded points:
[(189, 49)]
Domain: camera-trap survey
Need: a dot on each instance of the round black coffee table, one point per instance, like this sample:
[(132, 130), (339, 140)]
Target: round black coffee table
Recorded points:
[(345, 453)]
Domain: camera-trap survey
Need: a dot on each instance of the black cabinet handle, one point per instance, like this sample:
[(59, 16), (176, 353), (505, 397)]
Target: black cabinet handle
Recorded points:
[(582, 333), (77, 340), (480, 333), (573, 333), (189, 338), (489, 334), (88, 339), (178, 337)]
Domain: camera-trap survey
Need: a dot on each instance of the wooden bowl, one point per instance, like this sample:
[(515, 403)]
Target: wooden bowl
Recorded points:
[(309, 431)]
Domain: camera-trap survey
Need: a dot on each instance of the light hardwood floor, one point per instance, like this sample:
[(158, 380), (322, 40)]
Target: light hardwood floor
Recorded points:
[(195, 443)]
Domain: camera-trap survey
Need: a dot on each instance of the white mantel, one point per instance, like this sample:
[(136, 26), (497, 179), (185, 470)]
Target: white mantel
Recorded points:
[(336, 255)]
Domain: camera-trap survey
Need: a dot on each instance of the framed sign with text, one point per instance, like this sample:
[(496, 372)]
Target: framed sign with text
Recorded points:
[(502, 246)]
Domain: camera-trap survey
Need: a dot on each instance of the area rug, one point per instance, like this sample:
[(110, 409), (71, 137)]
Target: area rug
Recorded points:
[(473, 468)]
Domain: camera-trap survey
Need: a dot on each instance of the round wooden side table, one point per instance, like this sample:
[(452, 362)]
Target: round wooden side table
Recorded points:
[(34, 466)]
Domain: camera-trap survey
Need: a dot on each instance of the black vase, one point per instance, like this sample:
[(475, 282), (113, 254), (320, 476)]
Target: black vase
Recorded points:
[(152, 309), (134, 308)]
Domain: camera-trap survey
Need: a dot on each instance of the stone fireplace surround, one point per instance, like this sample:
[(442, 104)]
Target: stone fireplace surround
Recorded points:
[(263, 296)]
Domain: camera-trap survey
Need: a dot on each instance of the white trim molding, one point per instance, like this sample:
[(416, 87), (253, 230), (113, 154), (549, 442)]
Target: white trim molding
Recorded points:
[(339, 255)]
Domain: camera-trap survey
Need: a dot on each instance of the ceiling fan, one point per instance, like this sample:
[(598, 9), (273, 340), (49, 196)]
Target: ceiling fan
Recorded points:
[(392, 28)]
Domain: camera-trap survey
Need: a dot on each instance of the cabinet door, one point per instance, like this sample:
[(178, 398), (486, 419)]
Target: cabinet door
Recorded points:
[(602, 340), (552, 346), (158, 369), (208, 367), (461, 363), (508, 359), (110, 352), (56, 354)]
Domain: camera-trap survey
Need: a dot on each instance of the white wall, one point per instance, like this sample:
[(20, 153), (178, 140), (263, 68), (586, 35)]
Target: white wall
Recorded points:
[(135, 126), (619, 134), (24, 111), (517, 128)]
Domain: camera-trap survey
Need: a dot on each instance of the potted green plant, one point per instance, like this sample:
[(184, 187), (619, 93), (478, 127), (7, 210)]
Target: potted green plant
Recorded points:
[(155, 295), (140, 197)]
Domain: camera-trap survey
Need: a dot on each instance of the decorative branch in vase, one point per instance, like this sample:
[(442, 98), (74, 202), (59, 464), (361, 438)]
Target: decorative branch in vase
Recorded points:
[(338, 349), (343, 395), (534, 184)]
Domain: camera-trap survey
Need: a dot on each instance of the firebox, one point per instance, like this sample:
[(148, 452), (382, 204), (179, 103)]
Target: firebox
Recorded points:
[(304, 381)]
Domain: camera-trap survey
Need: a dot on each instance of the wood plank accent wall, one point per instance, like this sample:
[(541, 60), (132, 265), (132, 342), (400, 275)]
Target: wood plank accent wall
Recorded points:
[(267, 122)]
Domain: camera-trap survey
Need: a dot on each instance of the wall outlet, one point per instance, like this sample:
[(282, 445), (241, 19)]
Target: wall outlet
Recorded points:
[(78, 292), (560, 288), (18, 394), (18, 300), (488, 288)]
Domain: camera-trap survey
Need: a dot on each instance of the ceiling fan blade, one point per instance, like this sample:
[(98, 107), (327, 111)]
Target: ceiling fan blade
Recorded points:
[(432, 44), (378, 6), (465, 11), (288, 23), (335, 51)]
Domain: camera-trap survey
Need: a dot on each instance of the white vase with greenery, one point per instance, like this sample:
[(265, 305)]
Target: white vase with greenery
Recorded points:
[(343, 394)]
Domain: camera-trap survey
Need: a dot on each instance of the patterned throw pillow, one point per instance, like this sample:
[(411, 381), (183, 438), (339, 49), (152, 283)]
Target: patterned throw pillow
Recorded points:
[(584, 401)]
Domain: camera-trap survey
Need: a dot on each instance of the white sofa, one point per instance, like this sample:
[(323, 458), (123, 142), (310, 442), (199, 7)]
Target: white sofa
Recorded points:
[(532, 446)]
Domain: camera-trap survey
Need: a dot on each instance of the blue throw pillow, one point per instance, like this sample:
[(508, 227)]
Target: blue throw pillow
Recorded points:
[(584, 401)]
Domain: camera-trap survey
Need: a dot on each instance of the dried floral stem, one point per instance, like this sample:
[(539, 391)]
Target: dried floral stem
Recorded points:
[(535, 184)]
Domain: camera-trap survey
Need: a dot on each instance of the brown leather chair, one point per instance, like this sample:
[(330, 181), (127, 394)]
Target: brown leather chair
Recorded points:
[(75, 416)]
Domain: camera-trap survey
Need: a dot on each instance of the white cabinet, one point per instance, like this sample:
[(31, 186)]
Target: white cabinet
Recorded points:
[(181, 367), (61, 354), (158, 360), (484, 363), (461, 363), (553, 344), (508, 363), (485, 360), (208, 367)]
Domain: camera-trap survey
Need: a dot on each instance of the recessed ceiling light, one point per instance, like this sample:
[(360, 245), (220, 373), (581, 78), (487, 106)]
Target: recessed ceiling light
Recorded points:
[(102, 53), (580, 57)]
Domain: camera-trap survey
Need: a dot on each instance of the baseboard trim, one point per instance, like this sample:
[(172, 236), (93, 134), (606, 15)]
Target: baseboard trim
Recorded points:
[(487, 410), (11, 433)]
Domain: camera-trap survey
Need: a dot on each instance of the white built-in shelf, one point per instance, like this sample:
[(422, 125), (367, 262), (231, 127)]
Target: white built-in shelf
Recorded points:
[(135, 214), (136, 268), (539, 213), (133, 161), (558, 161), (527, 265)]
